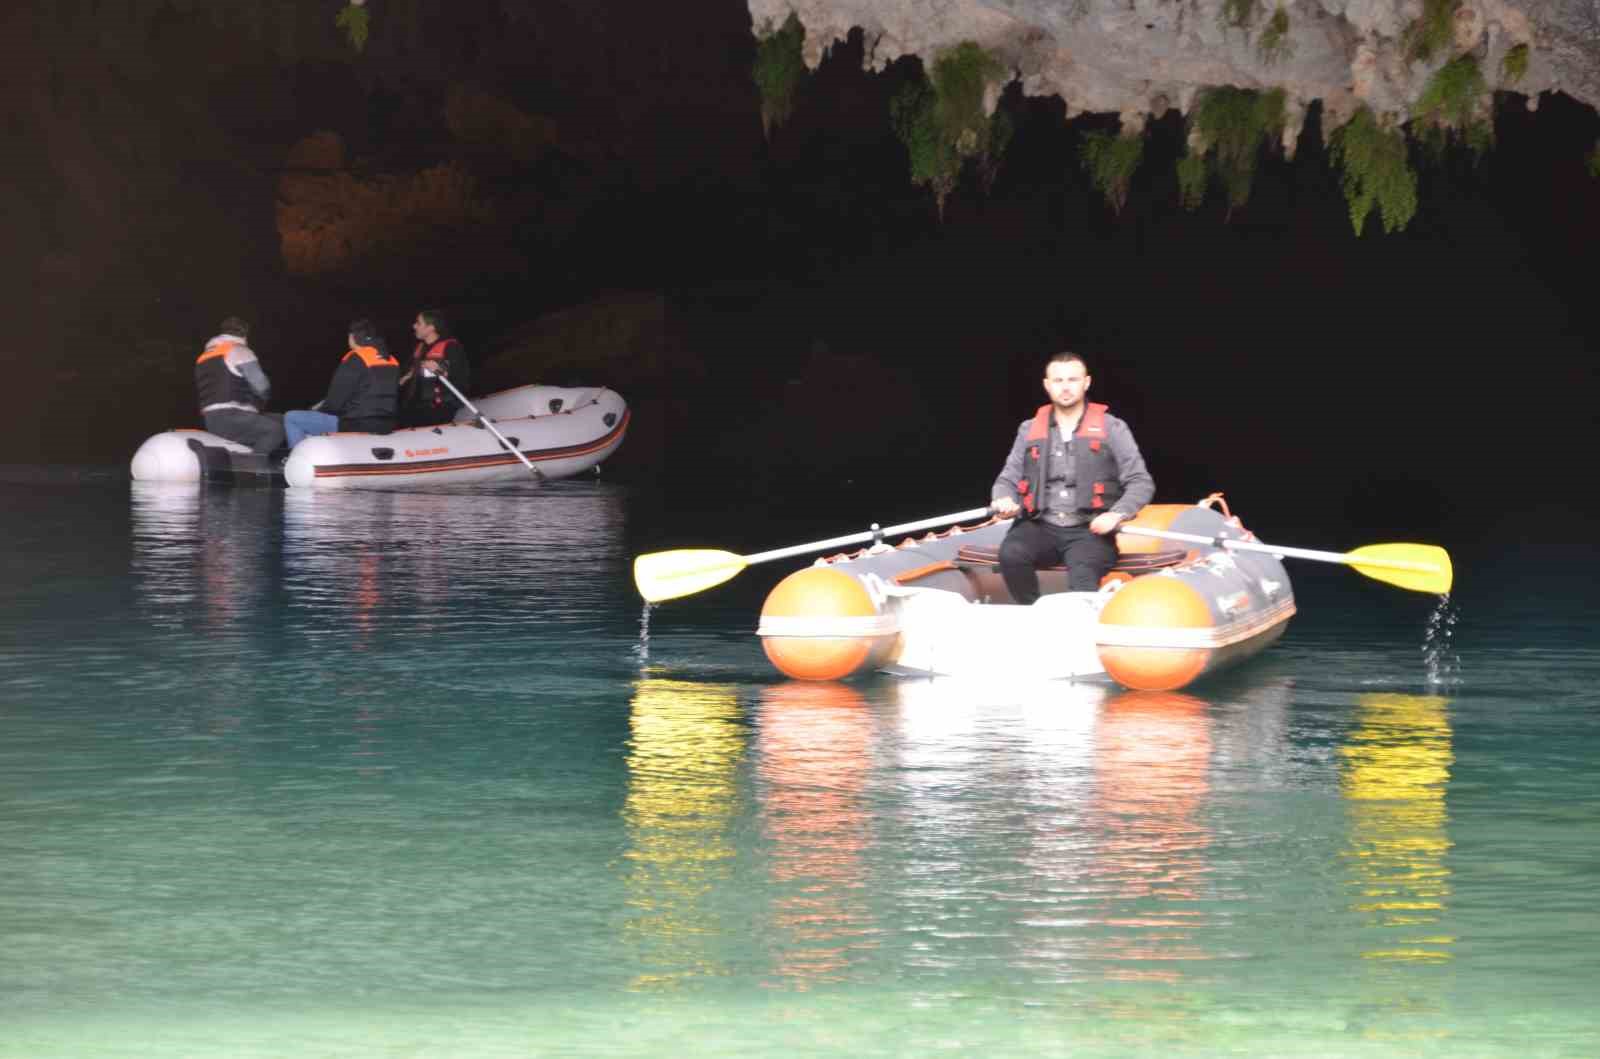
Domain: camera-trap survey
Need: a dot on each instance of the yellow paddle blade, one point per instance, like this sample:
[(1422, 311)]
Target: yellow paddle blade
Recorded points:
[(1419, 567), (668, 575)]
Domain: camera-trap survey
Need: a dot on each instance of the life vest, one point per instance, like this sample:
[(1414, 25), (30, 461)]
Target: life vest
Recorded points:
[(1098, 485), (373, 407), (429, 395), (215, 384)]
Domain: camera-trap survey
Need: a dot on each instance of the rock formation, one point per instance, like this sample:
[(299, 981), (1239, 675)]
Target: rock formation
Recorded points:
[(1137, 58)]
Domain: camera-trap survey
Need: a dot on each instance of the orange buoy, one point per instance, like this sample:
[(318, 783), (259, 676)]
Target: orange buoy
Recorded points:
[(1167, 607), (822, 624)]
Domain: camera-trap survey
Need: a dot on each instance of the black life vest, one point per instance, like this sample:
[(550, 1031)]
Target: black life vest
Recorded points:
[(373, 407), (215, 384), (1098, 485)]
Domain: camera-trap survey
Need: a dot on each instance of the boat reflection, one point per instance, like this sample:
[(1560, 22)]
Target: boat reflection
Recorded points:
[(684, 749), (1395, 771), (1152, 778), (1100, 794), (352, 561), (814, 743), (362, 564), (201, 556)]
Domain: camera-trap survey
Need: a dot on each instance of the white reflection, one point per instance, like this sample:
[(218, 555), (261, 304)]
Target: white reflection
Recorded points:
[(683, 754), (359, 563), (200, 554), (991, 778), (815, 753), (1395, 770)]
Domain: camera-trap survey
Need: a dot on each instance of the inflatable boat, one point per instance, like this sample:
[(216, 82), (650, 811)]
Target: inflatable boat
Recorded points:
[(560, 431), (1163, 618)]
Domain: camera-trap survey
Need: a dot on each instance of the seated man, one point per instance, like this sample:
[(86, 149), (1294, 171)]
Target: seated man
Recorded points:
[(361, 396), (1074, 474), (424, 401), (232, 389)]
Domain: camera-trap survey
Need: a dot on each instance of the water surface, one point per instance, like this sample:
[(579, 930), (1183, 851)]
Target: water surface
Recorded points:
[(395, 775)]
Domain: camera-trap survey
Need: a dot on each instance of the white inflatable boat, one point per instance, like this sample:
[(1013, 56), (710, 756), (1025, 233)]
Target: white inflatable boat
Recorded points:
[(560, 431)]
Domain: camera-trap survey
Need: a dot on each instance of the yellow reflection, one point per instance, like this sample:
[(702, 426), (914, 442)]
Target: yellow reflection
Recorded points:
[(682, 763), (1395, 770), (1152, 771), (815, 749)]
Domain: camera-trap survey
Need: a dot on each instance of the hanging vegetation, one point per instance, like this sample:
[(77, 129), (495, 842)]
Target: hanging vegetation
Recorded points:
[(1001, 129), (1228, 128), (778, 70), (356, 21), (1514, 65), (1274, 44), (1237, 13), (1431, 32), (1111, 160), (1192, 178), (942, 121), (1377, 171), (1455, 101)]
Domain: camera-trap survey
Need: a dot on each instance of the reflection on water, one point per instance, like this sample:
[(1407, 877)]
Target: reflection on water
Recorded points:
[(352, 566), (201, 553), (683, 754), (1395, 770), (1089, 805), (815, 747), (344, 554), (224, 831), (1152, 760)]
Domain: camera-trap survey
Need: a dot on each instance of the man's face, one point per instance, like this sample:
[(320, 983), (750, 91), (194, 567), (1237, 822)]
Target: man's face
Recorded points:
[(1066, 383), (423, 330)]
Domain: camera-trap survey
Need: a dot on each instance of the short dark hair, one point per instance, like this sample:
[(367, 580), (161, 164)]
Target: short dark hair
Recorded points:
[(1065, 356), (436, 320), (365, 332), (233, 325)]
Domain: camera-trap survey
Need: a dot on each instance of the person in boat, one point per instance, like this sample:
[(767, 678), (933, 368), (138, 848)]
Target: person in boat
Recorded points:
[(361, 396), (232, 389), (1073, 475), (425, 401)]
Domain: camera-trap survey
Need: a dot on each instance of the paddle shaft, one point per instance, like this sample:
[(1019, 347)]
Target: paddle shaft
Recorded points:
[(469, 406), (1274, 549), (872, 534)]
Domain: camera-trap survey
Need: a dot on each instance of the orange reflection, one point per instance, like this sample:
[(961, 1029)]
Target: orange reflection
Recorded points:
[(816, 747), (1395, 770), (683, 754), (1151, 763)]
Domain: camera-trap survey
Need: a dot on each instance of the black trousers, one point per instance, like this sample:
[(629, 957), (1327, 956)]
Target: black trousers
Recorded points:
[(1032, 543), (262, 431)]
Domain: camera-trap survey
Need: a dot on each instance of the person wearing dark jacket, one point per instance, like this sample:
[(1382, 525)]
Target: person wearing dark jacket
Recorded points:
[(361, 396), (1073, 475), (424, 400), (232, 389)]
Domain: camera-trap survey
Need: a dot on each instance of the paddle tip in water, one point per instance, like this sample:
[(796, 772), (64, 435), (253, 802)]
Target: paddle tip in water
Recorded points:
[(1418, 567), (661, 576)]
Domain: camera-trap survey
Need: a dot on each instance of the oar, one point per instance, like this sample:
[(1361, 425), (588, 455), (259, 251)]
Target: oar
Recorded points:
[(669, 575), (1419, 567), (469, 406)]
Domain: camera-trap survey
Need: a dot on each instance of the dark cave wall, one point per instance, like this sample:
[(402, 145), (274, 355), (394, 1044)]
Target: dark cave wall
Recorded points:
[(804, 289)]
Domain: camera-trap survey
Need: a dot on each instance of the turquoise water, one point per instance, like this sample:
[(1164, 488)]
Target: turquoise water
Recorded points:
[(399, 775)]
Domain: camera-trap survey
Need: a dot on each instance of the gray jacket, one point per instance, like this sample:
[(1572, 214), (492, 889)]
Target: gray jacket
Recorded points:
[(1137, 486)]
